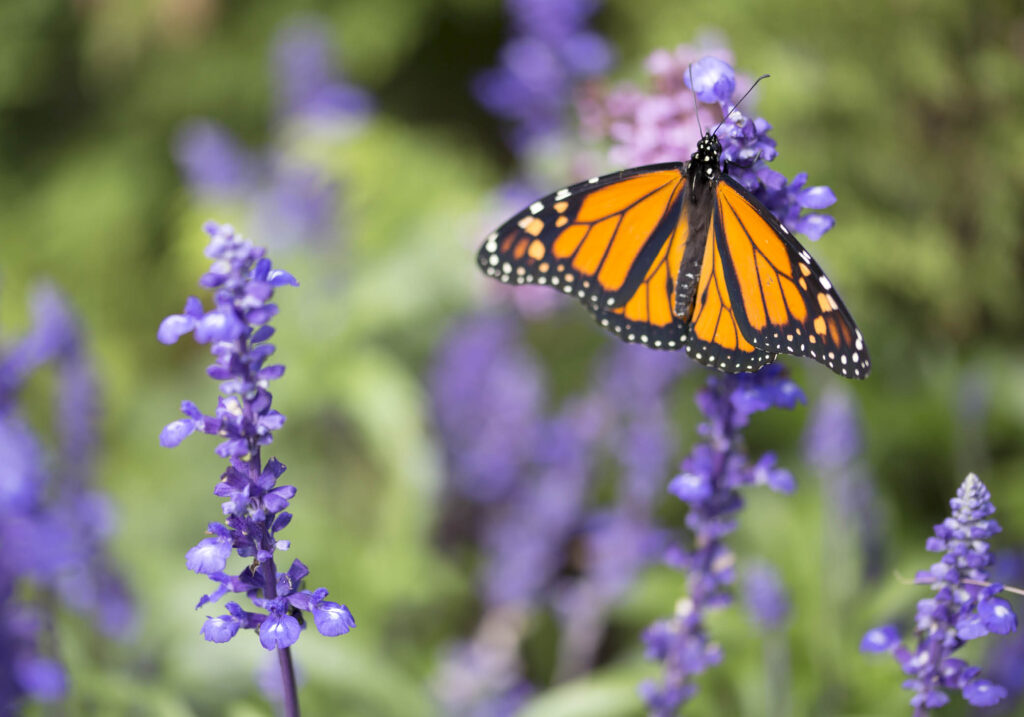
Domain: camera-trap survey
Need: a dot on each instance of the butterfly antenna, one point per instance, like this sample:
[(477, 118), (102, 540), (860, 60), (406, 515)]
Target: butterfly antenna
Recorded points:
[(696, 112), (737, 105)]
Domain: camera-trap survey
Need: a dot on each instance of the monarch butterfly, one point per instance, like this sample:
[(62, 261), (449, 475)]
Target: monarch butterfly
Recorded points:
[(680, 254)]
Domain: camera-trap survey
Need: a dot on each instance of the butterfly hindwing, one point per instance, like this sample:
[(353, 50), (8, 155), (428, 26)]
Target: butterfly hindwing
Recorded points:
[(714, 337), (782, 300), (614, 242)]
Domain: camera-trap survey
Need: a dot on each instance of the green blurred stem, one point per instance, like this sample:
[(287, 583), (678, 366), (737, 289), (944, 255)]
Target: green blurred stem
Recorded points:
[(777, 671)]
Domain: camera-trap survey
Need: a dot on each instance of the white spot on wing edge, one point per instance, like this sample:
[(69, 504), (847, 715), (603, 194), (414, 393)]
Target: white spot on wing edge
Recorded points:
[(593, 180), (562, 194), (536, 207), (825, 282)]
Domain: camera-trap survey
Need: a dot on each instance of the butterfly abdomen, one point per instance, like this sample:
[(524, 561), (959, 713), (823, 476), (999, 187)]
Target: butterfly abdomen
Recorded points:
[(699, 202)]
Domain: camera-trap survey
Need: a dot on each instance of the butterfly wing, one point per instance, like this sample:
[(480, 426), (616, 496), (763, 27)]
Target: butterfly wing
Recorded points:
[(614, 242), (782, 301), (714, 337)]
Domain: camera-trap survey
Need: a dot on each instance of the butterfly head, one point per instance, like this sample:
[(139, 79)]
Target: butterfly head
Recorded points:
[(704, 162)]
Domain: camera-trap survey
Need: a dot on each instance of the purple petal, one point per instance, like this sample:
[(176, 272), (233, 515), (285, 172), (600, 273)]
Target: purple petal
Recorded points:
[(176, 431), (690, 487), (711, 79), (191, 410), (220, 629), (970, 627), (817, 197), (271, 372), (880, 639), (279, 632), (813, 226), (280, 277), (262, 334), (218, 325), (282, 521), (333, 619), (767, 473), (998, 616), (209, 555), (932, 699), (982, 693), (174, 327), (193, 307), (272, 421), (233, 447)]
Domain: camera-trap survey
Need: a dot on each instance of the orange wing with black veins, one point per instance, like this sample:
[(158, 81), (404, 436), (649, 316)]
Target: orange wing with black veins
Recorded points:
[(783, 300), (614, 242)]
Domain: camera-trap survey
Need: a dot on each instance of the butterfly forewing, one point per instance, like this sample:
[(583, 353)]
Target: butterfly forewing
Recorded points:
[(784, 302), (614, 242)]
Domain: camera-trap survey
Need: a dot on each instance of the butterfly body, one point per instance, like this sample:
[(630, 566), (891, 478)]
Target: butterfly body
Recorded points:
[(680, 255), (702, 174)]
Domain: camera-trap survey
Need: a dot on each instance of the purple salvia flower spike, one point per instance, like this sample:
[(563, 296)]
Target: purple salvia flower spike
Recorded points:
[(53, 524), (709, 484), (254, 504), (959, 611)]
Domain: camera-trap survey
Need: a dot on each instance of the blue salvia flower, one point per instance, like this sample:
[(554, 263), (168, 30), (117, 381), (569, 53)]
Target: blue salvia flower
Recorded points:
[(238, 330), (53, 524), (747, 149), (549, 54), (710, 484), (963, 608)]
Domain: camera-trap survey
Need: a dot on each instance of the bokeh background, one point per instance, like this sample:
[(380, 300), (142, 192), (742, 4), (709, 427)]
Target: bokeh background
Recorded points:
[(356, 140)]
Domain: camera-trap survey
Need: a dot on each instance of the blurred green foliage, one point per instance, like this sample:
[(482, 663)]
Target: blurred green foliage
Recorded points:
[(912, 111)]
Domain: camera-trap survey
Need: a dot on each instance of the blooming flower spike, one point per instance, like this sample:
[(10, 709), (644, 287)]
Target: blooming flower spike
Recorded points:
[(963, 608), (255, 506), (709, 484)]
